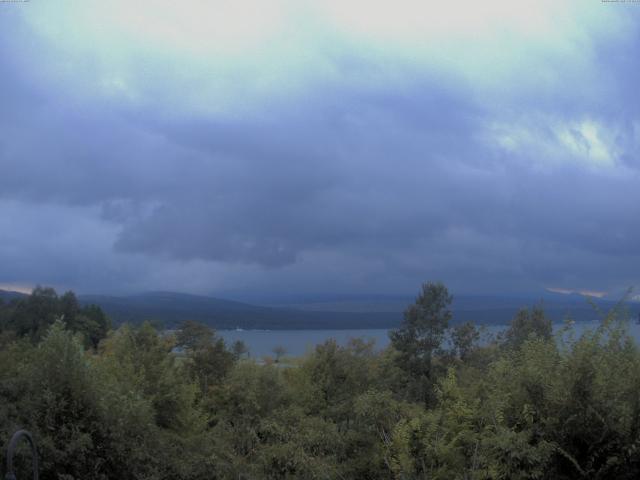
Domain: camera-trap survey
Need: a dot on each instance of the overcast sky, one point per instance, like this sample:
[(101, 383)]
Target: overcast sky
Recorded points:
[(331, 146)]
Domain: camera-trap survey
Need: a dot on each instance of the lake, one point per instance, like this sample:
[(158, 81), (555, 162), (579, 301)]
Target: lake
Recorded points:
[(297, 342)]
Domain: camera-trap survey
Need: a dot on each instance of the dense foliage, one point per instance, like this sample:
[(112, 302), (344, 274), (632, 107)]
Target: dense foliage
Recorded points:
[(137, 403)]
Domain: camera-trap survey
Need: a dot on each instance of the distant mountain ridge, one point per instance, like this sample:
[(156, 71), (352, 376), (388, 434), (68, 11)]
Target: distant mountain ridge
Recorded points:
[(171, 308), (333, 312), (481, 309), (327, 312), (7, 295)]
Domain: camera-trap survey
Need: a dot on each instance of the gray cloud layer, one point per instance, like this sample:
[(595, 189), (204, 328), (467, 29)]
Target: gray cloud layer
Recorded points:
[(347, 186)]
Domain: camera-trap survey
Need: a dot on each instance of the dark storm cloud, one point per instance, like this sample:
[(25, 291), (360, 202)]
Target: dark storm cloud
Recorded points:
[(423, 178), (324, 177)]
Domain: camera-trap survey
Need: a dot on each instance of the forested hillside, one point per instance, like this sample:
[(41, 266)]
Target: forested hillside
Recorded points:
[(170, 308), (105, 403), (325, 312)]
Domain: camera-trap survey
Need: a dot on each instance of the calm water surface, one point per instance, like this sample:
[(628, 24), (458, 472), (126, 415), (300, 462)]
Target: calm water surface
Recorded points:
[(298, 342)]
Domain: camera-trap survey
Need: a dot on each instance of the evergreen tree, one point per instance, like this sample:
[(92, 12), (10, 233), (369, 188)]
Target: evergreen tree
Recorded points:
[(420, 335)]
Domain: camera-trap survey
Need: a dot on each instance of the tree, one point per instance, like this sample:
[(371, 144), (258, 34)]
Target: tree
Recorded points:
[(420, 334), (239, 348), (31, 316), (93, 324), (34, 314), (464, 338), (194, 335), (69, 306), (208, 359), (90, 321), (279, 351), (209, 364), (527, 324), (330, 378)]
